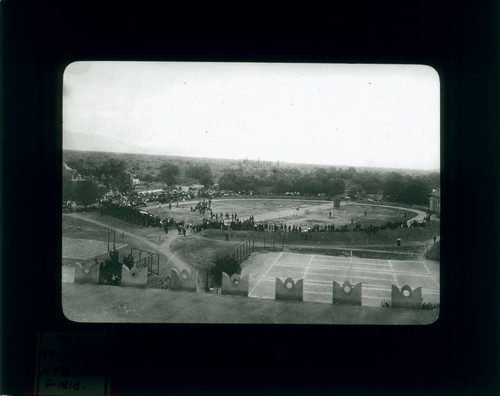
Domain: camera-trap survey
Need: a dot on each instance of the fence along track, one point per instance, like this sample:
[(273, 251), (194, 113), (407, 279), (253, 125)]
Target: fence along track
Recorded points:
[(243, 250)]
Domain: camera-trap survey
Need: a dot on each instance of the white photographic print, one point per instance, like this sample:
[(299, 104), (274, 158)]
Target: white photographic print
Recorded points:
[(232, 192)]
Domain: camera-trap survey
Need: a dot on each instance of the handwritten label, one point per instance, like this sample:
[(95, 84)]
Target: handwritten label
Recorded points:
[(73, 363)]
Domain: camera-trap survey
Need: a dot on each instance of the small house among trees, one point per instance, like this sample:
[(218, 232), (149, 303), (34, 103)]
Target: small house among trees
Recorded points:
[(70, 174), (70, 178)]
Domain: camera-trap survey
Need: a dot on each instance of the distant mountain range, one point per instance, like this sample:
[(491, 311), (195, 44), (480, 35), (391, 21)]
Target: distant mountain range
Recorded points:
[(138, 161), (91, 142), (88, 142)]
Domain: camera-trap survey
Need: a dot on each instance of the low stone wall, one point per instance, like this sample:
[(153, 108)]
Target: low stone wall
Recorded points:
[(135, 277), (346, 294), (235, 285), (406, 298), (68, 274), (289, 290), (86, 273), (184, 280)]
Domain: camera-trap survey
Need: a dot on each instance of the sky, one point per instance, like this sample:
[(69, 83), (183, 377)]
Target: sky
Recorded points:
[(332, 114)]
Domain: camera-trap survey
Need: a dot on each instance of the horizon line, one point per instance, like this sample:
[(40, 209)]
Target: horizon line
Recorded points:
[(261, 160)]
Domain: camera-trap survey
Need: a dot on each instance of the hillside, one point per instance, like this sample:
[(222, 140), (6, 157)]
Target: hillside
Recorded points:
[(144, 164)]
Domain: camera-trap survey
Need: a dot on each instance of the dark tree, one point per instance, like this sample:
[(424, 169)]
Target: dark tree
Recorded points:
[(201, 173), (87, 192), (395, 186), (227, 264), (113, 175), (68, 190), (337, 187), (168, 173), (416, 192), (110, 272)]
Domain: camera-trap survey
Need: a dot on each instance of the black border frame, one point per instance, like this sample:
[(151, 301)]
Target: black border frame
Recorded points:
[(457, 354)]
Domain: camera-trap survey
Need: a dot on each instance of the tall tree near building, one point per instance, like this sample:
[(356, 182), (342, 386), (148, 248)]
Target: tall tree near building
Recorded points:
[(86, 192), (168, 173), (113, 175)]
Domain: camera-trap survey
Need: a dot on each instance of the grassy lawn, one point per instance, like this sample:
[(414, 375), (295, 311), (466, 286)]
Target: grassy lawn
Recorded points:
[(375, 215), (152, 234), (382, 238), (201, 252), (98, 303)]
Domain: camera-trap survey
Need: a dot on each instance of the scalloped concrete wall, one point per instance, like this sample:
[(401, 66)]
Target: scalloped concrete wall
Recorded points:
[(230, 287), (351, 297), (289, 290)]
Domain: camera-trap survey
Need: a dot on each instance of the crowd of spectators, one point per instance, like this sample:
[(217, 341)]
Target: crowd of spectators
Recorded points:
[(127, 207)]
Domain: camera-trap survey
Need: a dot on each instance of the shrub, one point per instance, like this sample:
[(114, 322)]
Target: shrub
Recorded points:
[(430, 306), (128, 261), (227, 264), (111, 270), (161, 283)]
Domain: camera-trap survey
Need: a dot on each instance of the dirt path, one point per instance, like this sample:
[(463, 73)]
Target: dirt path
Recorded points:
[(164, 248)]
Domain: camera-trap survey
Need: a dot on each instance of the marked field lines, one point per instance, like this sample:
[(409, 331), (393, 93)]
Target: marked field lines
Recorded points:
[(426, 268), (318, 273), (327, 270), (307, 267), (327, 277), (318, 288), (294, 273), (297, 258), (289, 265), (250, 293), (334, 263), (392, 271), (263, 289), (413, 266), (357, 265)]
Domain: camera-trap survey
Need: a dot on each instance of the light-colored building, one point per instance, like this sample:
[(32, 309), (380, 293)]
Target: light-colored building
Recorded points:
[(70, 174), (435, 202)]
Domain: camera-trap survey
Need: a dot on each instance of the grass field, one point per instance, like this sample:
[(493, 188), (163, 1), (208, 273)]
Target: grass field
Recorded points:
[(284, 211), (413, 239), (243, 207)]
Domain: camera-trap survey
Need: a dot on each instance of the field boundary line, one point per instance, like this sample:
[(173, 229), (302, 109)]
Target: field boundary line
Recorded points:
[(393, 275), (426, 268), (264, 275), (373, 272)]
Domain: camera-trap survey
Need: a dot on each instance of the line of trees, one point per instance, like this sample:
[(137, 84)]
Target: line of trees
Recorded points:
[(111, 174)]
